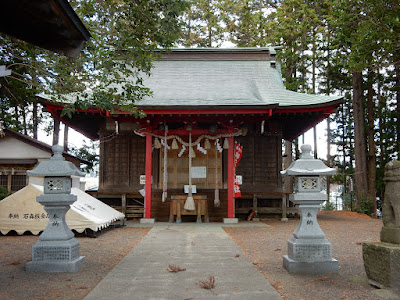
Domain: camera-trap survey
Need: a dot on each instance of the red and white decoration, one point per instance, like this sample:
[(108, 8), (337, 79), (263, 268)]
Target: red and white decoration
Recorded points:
[(238, 156)]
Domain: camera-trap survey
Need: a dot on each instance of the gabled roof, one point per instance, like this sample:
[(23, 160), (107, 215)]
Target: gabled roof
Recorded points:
[(248, 77), (50, 24)]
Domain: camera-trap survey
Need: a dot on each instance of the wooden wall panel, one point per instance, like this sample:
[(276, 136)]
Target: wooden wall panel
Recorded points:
[(122, 163), (116, 162), (137, 161), (260, 163)]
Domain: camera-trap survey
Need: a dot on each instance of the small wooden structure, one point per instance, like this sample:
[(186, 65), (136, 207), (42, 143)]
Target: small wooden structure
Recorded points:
[(177, 209), (235, 96)]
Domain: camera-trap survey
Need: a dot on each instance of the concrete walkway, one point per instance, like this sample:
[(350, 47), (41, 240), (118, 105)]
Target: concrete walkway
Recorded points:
[(202, 249)]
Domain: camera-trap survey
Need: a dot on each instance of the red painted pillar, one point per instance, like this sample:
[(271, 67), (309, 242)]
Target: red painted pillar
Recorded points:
[(147, 198), (231, 176)]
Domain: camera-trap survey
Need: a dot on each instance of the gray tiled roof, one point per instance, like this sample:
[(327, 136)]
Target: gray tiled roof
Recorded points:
[(222, 83), (210, 82)]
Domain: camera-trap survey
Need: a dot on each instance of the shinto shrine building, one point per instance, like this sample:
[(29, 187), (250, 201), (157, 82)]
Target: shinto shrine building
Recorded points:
[(209, 100)]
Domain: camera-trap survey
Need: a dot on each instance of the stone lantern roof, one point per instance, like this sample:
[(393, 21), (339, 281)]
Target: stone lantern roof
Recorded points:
[(56, 166), (308, 165)]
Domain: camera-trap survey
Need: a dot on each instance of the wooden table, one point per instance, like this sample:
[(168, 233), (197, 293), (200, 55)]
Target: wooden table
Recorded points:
[(176, 208)]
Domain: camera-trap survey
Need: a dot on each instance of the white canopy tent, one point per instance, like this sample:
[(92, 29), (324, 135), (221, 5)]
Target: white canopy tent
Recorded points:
[(21, 212)]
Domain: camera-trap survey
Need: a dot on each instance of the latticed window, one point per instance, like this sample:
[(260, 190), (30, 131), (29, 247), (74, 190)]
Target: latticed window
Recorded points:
[(55, 184), (18, 182), (309, 183)]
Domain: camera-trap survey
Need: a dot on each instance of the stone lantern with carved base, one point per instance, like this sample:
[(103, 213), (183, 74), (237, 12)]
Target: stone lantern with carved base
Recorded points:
[(57, 250), (308, 250)]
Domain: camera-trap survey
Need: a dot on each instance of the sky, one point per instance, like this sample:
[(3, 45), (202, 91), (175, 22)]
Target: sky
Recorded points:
[(74, 138)]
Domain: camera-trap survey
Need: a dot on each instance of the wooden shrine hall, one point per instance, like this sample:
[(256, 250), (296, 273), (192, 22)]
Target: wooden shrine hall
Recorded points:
[(212, 134)]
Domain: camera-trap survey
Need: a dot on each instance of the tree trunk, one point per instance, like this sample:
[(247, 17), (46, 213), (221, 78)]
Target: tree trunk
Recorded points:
[(382, 129), (66, 138), (397, 90), (56, 132), (359, 140), (25, 125), (35, 120), (371, 144)]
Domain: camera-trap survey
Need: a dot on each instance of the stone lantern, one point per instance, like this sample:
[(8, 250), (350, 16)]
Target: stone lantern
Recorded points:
[(57, 250), (308, 250)]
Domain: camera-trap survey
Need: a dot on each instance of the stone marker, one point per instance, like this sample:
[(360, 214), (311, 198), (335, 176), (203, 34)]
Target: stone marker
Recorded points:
[(308, 250), (382, 259), (57, 250)]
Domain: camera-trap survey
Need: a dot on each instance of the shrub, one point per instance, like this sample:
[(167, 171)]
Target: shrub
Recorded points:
[(4, 193), (346, 200), (328, 206), (365, 205)]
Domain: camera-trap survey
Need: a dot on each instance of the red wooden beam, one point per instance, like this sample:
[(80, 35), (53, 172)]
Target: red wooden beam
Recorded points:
[(60, 107), (147, 197)]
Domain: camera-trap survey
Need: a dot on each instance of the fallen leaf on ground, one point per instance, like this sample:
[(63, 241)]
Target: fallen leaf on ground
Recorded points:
[(321, 278), (175, 268), (207, 284)]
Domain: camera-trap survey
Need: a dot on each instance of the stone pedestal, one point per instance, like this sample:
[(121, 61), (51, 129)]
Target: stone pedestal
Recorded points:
[(57, 249), (231, 220), (147, 221), (55, 257), (382, 259), (308, 250), (382, 264)]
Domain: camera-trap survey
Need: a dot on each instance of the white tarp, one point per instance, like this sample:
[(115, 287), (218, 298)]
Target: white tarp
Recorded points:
[(21, 212)]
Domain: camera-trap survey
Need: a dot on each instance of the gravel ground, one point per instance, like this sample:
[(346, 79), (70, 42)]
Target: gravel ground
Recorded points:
[(263, 246), (102, 254), (346, 231)]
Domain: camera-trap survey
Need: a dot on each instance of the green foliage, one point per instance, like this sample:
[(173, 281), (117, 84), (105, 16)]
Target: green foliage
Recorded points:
[(247, 22), (88, 152), (347, 199), (201, 24), (126, 37), (365, 206), (4, 193), (328, 206)]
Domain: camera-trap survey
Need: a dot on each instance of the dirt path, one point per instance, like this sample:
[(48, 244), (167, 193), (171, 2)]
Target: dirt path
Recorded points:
[(346, 231), (102, 254)]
